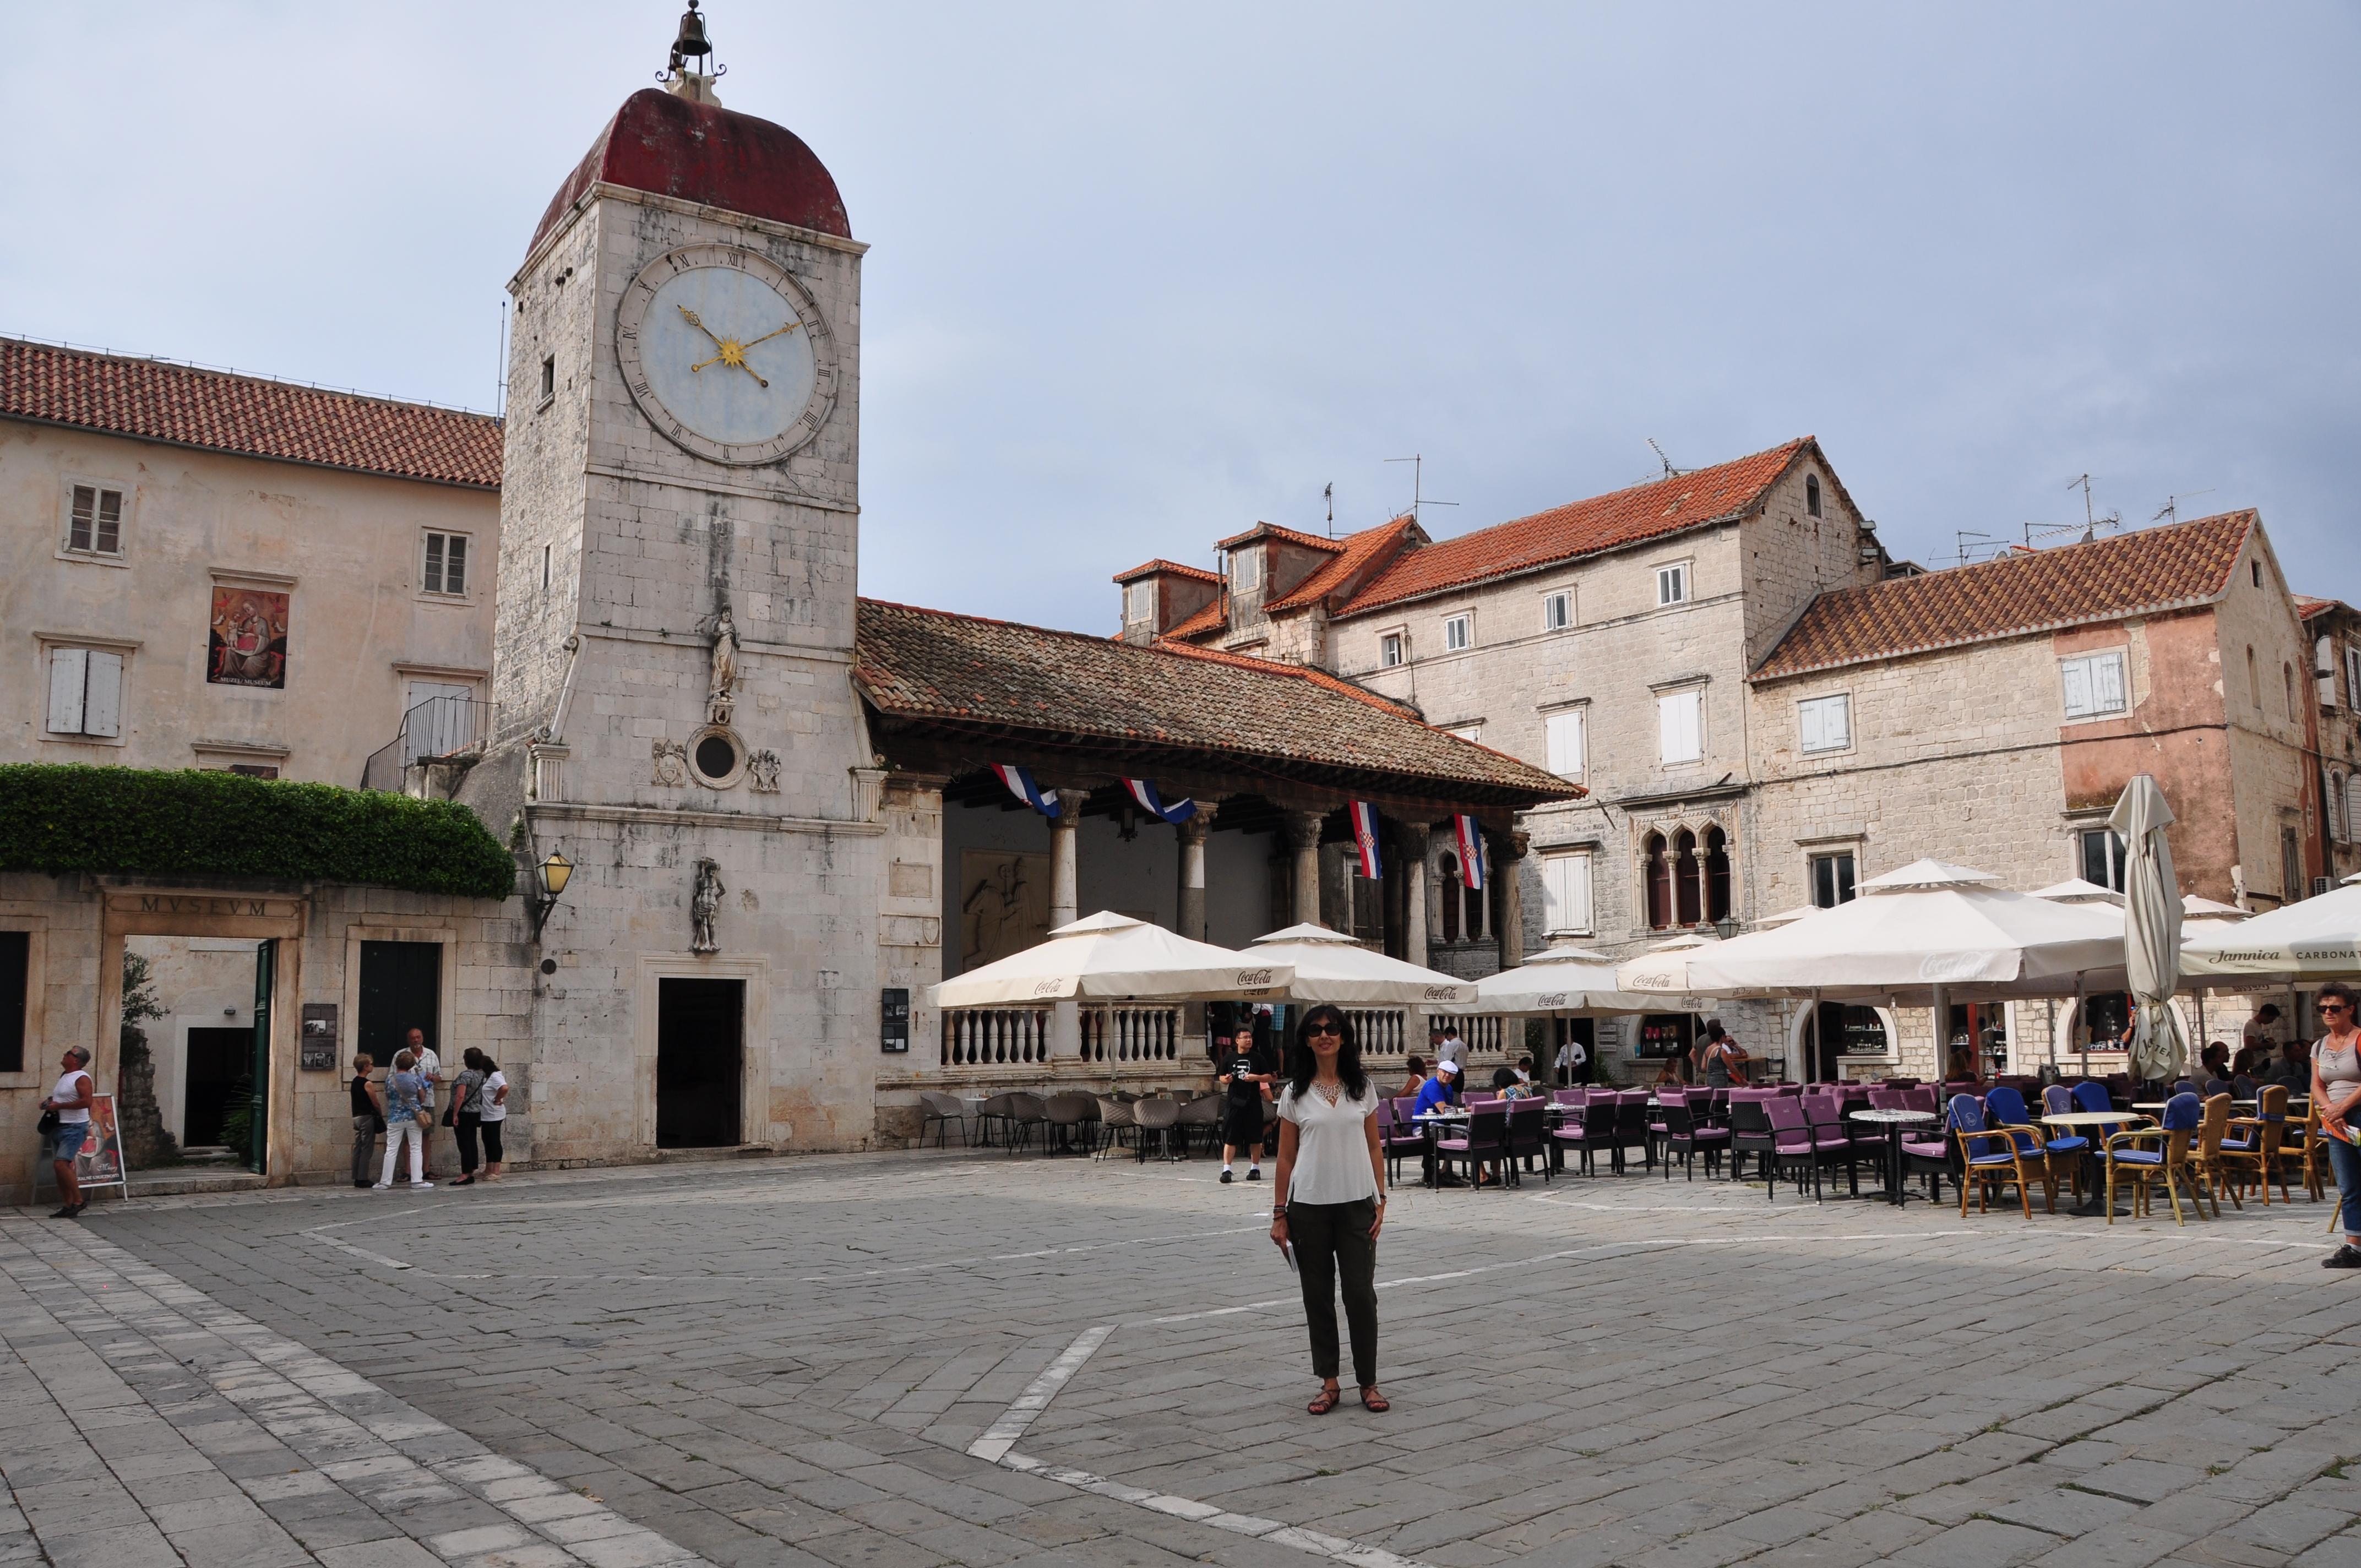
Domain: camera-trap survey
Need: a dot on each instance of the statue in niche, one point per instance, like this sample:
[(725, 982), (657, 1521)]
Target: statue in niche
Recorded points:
[(718, 702), (704, 903), (671, 759), (762, 772)]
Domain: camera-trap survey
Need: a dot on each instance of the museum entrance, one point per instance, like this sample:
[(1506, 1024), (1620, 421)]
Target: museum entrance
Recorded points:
[(401, 990), (701, 1063)]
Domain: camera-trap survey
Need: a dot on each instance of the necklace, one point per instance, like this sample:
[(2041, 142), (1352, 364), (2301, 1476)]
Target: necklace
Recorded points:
[(1331, 1092)]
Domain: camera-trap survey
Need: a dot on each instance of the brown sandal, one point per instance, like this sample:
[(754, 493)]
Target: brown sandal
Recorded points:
[(1325, 1401), (1375, 1402)]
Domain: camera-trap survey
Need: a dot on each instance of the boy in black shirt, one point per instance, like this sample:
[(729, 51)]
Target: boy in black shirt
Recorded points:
[(1242, 1073)]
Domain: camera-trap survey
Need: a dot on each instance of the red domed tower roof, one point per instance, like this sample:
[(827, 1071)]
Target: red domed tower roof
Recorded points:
[(704, 153)]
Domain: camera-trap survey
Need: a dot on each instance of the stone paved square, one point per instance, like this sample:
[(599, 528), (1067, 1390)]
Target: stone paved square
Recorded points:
[(814, 1361)]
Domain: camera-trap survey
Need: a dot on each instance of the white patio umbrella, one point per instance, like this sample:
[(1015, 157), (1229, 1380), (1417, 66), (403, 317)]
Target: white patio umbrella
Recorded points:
[(1559, 982), (1114, 958), (1330, 966), (1787, 916), (2317, 938), (1663, 970), (2152, 915), (2074, 890)]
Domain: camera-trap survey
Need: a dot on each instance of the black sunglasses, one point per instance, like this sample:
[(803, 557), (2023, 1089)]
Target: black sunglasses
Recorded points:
[(1326, 1027)]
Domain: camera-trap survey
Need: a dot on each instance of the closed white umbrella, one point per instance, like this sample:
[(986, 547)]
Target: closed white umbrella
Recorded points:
[(1114, 958), (2317, 938), (1329, 966), (1560, 981), (2151, 929)]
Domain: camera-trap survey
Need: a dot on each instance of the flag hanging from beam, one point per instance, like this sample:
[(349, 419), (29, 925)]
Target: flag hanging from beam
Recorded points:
[(1144, 791), (1471, 850), (1020, 784), (1364, 836)]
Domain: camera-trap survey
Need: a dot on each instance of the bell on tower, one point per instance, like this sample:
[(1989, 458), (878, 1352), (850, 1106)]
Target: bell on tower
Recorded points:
[(691, 44)]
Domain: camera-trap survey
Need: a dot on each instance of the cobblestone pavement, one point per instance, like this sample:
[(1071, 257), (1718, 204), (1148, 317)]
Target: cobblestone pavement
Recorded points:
[(920, 1359)]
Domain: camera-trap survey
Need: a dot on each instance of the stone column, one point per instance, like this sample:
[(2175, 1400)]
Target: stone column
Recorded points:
[(1415, 914), (1508, 853), (1192, 834), (1065, 907), (1303, 838)]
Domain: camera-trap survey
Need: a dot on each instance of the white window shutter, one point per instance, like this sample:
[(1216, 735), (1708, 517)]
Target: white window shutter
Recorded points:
[(1677, 728), (69, 669), (101, 712), (2107, 683), (1814, 730), (1668, 729), (1837, 729), (1564, 735), (1577, 896), (2076, 674)]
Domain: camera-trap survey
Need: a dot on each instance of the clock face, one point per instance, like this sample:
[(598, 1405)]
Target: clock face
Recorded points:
[(726, 354)]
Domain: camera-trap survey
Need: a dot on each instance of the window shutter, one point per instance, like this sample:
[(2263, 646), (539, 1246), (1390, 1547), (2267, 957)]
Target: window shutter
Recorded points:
[(2076, 674), (69, 669), (101, 712), (1815, 728), (1676, 727), (1837, 726), (2107, 683), (1578, 892), (1564, 735), (2353, 676), (454, 565)]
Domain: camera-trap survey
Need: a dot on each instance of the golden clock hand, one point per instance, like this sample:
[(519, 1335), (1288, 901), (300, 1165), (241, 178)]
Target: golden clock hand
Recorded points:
[(691, 317), (768, 336), (723, 358)]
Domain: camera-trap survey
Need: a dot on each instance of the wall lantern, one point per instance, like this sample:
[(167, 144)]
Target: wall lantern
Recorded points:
[(551, 877), (1725, 928)]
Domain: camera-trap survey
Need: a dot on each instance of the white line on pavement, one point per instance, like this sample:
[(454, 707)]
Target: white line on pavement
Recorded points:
[(1003, 1433), (357, 1252)]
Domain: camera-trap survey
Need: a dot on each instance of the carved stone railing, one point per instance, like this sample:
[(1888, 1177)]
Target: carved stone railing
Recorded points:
[(1382, 1031), (1131, 1034), (996, 1037)]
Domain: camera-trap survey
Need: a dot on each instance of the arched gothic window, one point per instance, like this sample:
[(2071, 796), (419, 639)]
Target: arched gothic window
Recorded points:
[(1685, 889), (1716, 874), (1656, 874)]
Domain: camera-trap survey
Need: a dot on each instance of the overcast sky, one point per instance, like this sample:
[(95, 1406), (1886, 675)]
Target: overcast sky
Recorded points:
[(1143, 276)]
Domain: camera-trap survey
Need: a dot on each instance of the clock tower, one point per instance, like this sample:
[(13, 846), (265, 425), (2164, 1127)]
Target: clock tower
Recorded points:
[(676, 713)]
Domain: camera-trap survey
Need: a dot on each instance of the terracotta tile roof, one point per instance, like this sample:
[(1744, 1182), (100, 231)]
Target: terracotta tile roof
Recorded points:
[(1340, 570), (970, 672), (1211, 619), (2310, 609), (1584, 528), (2158, 569), (1272, 531), (1147, 568), (255, 417)]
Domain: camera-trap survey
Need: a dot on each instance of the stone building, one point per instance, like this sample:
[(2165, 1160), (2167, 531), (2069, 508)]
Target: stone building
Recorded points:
[(2334, 628), (1992, 714), (1609, 642), (771, 792), (207, 570)]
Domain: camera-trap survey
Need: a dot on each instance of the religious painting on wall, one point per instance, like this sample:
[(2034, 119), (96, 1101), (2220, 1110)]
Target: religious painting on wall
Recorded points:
[(1004, 904), (248, 643)]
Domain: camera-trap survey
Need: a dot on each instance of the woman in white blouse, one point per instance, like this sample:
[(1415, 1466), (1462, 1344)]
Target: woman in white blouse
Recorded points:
[(1329, 1197)]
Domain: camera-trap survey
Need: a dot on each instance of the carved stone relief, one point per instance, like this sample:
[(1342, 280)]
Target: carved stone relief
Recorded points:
[(762, 772), (671, 764)]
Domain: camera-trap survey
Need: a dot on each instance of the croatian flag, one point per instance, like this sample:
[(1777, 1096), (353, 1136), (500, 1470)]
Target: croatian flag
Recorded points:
[(1471, 850), (1144, 791), (1020, 784), (1364, 836)]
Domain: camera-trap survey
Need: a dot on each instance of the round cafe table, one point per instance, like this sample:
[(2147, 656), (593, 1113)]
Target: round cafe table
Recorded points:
[(2096, 1203), (1431, 1123), (1894, 1122)]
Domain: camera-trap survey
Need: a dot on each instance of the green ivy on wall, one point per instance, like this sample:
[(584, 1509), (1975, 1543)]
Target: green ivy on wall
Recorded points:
[(136, 821)]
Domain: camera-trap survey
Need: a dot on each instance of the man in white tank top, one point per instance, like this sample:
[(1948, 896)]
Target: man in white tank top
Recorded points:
[(70, 1100)]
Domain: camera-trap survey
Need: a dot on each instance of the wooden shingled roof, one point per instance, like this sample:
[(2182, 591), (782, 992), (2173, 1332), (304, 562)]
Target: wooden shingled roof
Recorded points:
[(987, 680), (2148, 573)]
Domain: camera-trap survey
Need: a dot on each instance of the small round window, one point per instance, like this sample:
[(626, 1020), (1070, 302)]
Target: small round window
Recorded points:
[(716, 758)]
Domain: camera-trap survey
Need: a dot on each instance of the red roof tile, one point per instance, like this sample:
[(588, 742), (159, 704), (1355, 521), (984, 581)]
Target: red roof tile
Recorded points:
[(2308, 607), (1340, 572), (2158, 569), (156, 401), (1664, 505), (962, 670), (1272, 531), (1148, 568), (1210, 619)]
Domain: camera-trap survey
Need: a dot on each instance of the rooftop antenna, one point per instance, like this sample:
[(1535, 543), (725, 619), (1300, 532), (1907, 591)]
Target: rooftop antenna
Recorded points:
[(1670, 472), (1417, 462), (1960, 538), (1328, 494), (2091, 520), (501, 380), (2171, 511)]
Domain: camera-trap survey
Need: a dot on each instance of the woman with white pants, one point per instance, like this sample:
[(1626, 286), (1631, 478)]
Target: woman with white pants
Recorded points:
[(405, 1092)]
